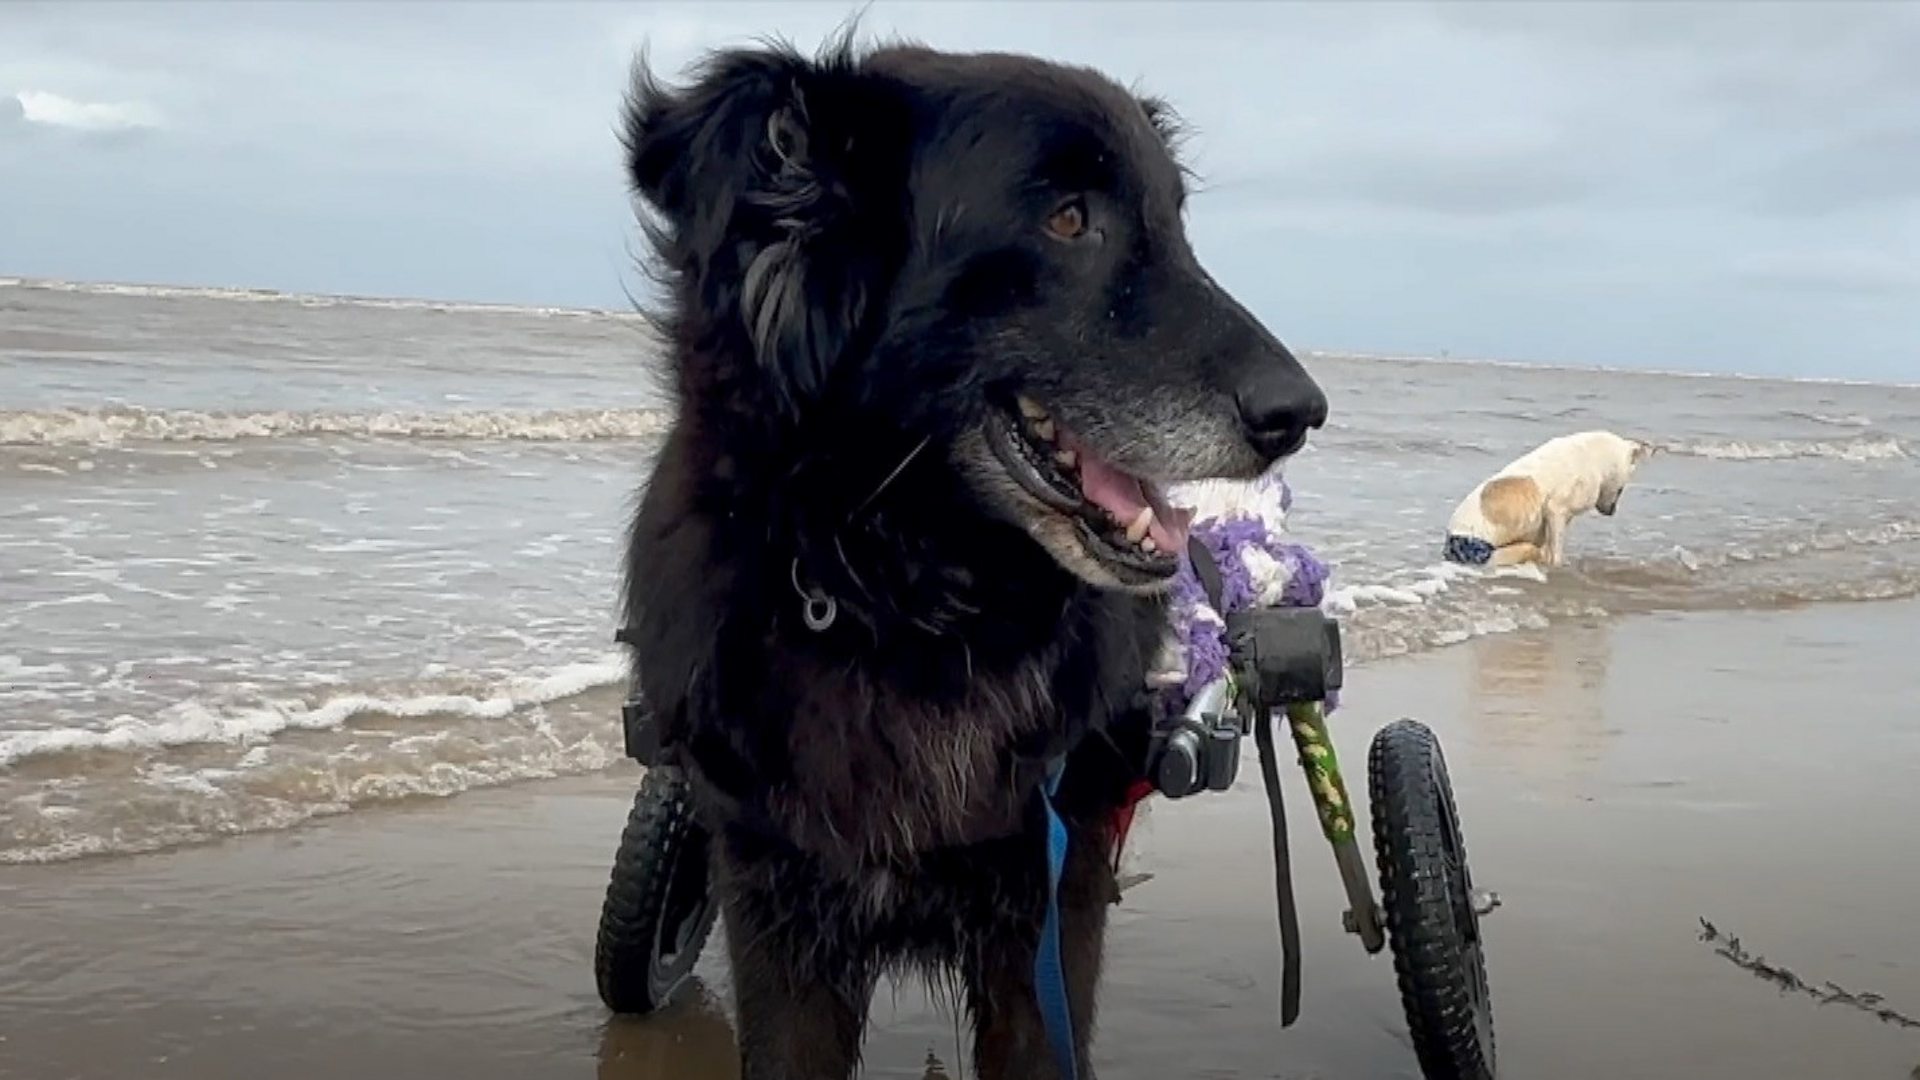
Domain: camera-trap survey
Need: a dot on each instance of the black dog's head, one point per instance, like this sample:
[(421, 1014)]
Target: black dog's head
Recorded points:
[(984, 253)]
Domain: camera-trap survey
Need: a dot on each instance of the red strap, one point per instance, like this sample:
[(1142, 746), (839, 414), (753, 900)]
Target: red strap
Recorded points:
[(1123, 816)]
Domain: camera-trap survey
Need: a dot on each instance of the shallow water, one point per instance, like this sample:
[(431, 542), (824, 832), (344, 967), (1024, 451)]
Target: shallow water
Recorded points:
[(265, 558), (1618, 779)]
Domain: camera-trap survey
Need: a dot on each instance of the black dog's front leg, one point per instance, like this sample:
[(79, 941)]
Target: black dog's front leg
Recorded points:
[(792, 1027), (1010, 1036)]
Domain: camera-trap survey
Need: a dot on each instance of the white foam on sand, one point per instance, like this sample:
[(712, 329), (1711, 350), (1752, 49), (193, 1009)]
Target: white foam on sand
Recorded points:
[(1417, 585)]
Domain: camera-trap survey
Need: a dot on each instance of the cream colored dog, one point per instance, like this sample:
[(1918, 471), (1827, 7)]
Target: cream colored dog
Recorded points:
[(1520, 514)]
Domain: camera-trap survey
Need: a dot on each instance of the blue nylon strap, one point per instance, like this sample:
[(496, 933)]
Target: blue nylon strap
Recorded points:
[(1049, 974)]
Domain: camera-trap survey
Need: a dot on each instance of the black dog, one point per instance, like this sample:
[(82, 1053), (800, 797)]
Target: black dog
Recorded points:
[(937, 338)]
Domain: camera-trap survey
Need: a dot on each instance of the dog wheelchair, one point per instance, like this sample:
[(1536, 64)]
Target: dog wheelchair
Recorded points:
[(1283, 663)]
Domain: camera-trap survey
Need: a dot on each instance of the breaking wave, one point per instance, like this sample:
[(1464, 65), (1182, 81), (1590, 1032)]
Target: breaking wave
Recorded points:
[(1401, 443), (114, 426), (1418, 608), (195, 723), (1863, 449), (176, 807), (1846, 420), (310, 300), (1599, 369)]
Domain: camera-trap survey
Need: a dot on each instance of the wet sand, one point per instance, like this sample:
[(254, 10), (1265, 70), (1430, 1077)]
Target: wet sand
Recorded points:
[(1618, 781)]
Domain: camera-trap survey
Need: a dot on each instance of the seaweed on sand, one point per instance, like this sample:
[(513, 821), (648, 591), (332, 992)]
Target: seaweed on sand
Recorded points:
[(1826, 993)]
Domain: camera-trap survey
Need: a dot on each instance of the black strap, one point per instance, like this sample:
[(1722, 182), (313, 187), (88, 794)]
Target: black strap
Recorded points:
[(1263, 721), (1282, 868), (1207, 571)]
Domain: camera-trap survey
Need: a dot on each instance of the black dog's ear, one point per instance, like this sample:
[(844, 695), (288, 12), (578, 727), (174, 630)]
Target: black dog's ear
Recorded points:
[(1172, 129), (1165, 120), (769, 201), (696, 141)]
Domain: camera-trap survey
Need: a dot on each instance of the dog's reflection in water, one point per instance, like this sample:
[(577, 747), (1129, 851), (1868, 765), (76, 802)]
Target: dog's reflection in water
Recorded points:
[(691, 1039)]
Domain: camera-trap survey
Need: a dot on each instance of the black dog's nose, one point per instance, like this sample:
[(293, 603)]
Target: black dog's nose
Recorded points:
[(1277, 408)]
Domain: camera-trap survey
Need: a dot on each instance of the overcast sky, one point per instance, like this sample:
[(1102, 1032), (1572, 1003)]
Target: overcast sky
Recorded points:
[(1729, 187)]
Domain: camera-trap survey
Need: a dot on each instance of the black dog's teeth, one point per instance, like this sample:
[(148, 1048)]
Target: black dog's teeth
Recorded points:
[(1042, 440), (1040, 427), (1040, 446), (1144, 556)]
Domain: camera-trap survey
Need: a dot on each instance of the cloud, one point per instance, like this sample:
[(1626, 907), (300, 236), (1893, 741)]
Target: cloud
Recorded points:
[(1864, 169), (105, 118), (1602, 182), (1842, 272), (1463, 181)]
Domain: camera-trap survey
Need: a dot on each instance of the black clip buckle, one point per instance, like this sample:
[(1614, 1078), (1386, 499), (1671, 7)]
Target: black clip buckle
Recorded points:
[(640, 734), (1197, 751)]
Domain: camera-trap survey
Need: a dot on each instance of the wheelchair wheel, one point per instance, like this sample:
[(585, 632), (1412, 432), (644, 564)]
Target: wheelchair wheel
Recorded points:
[(1428, 900), (659, 909)]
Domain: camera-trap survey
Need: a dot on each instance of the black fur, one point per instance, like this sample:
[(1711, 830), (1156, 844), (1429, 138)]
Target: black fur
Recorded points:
[(856, 276)]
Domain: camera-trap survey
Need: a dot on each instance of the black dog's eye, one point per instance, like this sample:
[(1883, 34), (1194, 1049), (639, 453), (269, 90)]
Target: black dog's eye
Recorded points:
[(1068, 220)]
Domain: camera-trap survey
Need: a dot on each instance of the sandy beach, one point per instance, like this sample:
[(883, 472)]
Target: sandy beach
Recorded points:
[(1619, 779)]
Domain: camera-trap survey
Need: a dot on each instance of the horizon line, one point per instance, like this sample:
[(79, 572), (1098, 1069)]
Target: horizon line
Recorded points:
[(107, 287)]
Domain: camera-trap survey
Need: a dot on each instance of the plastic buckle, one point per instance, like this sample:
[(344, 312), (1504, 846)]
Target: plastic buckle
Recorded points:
[(1198, 751)]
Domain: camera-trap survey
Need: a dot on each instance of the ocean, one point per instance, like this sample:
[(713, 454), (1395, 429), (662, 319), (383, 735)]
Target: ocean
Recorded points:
[(266, 558)]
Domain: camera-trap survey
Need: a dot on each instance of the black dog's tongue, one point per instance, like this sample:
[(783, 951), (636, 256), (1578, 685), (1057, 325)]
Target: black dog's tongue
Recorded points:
[(1125, 497)]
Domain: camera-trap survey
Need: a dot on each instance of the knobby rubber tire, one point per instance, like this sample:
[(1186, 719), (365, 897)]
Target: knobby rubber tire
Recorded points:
[(645, 950), (1426, 897)]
